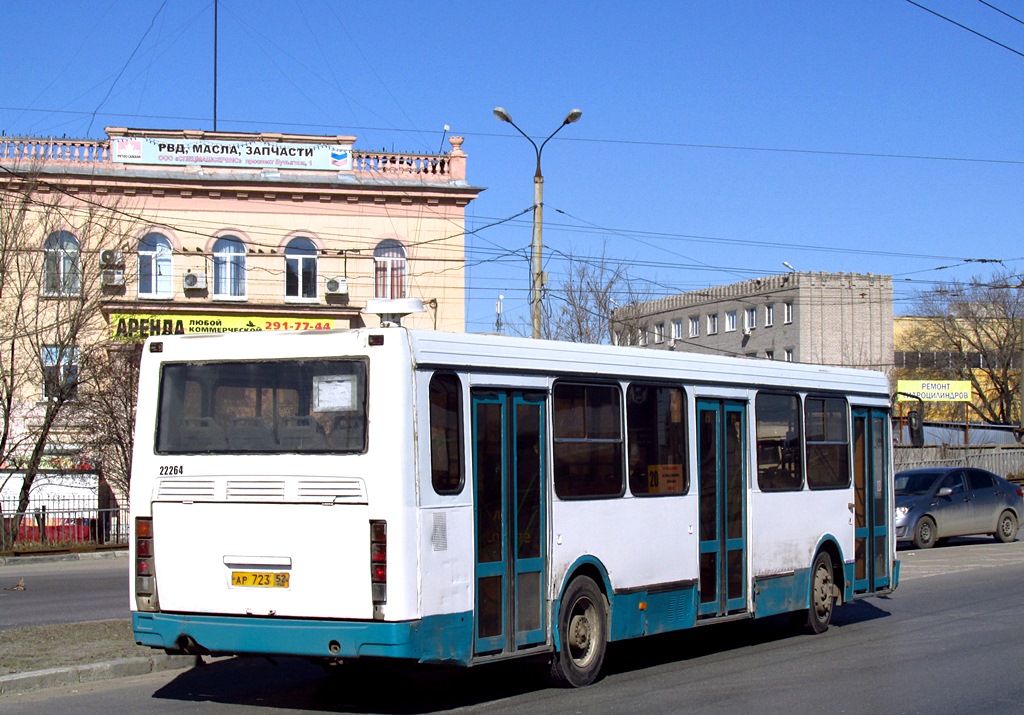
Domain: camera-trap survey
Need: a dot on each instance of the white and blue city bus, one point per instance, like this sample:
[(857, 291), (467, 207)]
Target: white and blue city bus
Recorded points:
[(456, 498)]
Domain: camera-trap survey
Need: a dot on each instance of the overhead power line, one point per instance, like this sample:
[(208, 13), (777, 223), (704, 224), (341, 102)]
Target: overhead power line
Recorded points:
[(964, 27)]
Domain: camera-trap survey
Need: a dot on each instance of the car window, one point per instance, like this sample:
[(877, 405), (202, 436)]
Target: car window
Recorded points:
[(914, 483), (954, 481), (980, 480)]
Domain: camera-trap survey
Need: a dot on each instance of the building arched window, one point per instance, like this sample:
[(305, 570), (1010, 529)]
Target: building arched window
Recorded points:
[(389, 269), (62, 270), (229, 267), (155, 269), (300, 268)]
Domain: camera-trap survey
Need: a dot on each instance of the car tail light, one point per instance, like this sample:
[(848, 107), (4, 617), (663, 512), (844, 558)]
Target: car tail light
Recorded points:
[(145, 566), (1020, 492), (379, 561)]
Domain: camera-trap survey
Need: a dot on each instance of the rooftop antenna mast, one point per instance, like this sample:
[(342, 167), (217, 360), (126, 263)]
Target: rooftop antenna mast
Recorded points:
[(498, 326), (214, 65)]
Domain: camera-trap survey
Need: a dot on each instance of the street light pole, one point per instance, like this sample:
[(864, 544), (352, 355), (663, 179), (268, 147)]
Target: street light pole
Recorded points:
[(537, 279)]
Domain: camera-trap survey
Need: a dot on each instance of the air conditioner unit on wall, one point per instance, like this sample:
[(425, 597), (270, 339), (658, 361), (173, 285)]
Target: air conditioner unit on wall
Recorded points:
[(336, 286), (111, 257), (194, 281), (111, 277)]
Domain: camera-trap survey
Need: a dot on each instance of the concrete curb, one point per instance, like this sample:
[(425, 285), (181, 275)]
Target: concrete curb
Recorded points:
[(74, 556), (92, 672)]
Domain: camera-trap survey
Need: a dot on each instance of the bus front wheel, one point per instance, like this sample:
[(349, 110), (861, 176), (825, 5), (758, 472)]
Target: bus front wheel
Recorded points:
[(583, 634)]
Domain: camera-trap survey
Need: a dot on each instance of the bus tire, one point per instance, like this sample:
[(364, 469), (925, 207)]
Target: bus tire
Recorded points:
[(1006, 531), (582, 633), (823, 595)]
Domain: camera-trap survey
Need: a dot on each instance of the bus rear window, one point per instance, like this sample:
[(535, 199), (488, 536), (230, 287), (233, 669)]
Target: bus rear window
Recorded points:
[(287, 406)]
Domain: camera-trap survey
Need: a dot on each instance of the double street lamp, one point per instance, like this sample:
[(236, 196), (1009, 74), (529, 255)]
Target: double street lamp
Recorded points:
[(537, 282)]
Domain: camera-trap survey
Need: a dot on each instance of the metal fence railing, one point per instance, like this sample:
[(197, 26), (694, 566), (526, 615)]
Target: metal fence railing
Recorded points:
[(45, 528), (1004, 461)]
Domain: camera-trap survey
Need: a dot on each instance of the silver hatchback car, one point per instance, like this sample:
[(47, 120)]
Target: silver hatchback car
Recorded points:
[(939, 502)]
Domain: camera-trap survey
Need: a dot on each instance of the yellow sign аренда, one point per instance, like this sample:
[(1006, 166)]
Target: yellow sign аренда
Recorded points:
[(138, 326)]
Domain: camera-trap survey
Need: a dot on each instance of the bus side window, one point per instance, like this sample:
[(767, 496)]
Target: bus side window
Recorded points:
[(828, 442), (588, 446), (779, 449), (446, 448), (656, 436)]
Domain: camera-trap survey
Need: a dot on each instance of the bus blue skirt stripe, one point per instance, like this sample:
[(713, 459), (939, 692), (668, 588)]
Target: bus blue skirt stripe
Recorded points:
[(434, 639)]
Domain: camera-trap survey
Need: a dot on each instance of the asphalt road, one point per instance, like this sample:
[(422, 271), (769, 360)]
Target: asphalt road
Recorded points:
[(946, 642), (64, 592)]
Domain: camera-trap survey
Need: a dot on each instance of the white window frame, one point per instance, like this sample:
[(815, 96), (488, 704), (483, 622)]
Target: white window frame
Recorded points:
[(159, 260), (659, 333), (789, 355), (391, 270), (299, 260), (677, 329), (787, 312), (750, 319), (769, 315), (694, 326), (65, 361), (712, 323), (229, 269), (62, 265), (730, 321)]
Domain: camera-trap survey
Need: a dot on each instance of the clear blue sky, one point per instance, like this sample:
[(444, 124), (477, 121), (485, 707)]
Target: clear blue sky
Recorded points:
[(718, 139)]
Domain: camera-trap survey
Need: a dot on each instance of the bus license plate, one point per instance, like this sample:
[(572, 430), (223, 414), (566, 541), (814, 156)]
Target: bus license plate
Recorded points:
[(259, 579)]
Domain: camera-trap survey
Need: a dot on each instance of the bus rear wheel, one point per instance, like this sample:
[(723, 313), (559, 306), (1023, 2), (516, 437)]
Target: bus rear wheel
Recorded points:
[(582, 633), (823, 595)]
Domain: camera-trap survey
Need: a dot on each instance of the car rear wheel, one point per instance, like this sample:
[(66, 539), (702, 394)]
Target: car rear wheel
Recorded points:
[(924, 533), (1007, 529)]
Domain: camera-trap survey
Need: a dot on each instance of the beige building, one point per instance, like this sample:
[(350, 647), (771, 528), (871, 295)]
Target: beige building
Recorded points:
[(105, 242), (827, 318), (225, 226)]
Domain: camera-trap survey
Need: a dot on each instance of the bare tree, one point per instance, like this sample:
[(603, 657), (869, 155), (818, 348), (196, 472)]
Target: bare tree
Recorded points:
[(971, 331), (110, 386), (579, 307), (52, 320)]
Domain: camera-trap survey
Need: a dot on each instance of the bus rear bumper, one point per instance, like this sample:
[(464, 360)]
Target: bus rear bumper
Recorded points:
[(436, 639)]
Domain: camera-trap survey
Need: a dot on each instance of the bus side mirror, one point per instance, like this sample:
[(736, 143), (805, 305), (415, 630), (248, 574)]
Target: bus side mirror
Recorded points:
[(915, 425)]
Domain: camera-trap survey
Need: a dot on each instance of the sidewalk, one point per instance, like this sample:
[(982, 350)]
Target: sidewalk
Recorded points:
[(120, 553), (74, 675), (152, 661)]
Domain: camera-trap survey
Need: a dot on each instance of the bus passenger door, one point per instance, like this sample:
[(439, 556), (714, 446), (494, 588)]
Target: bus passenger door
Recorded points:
[(509, 505), (871, 500), (721, 441)]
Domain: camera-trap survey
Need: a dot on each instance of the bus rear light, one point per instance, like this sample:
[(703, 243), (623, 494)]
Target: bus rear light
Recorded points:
[(145, 566), (379, 561)]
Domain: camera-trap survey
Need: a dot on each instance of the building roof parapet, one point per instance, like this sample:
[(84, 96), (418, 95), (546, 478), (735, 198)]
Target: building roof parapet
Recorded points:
[(98, 154), (776, 283)]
